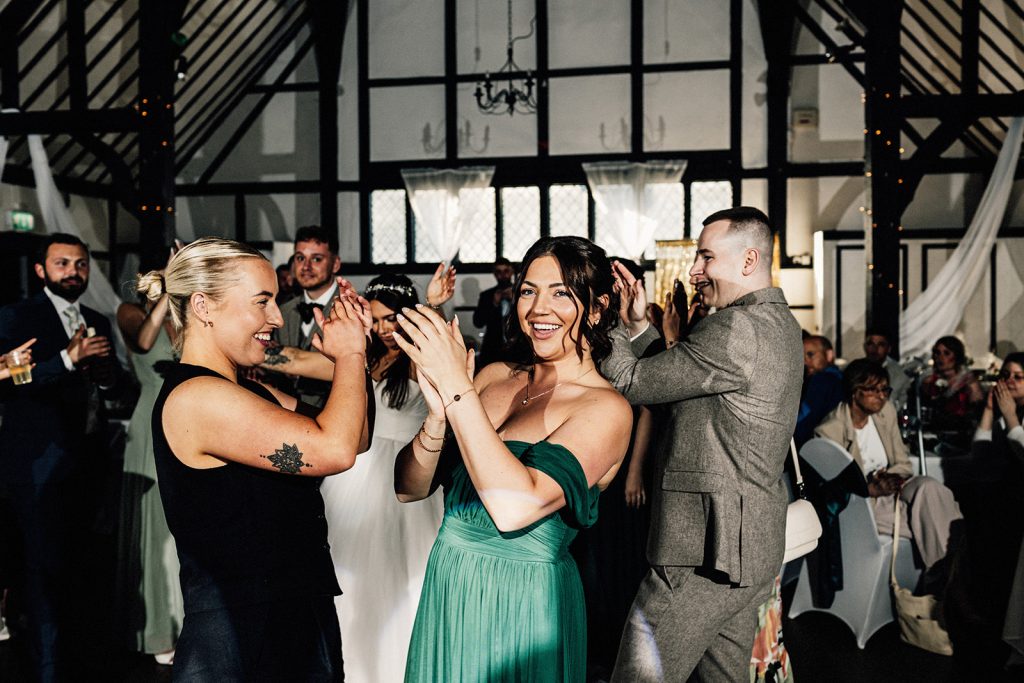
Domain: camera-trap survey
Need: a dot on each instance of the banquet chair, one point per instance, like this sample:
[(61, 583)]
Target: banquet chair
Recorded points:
[(864, 603)]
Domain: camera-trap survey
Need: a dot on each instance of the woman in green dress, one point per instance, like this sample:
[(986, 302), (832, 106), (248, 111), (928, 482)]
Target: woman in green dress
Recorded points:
[(151, 601), (532, 445)]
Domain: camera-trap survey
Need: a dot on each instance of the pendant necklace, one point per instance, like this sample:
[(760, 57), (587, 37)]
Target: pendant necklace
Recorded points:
[(548, 391)]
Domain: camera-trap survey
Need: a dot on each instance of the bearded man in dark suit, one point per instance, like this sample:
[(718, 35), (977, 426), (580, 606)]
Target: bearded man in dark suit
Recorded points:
[(45, 438)]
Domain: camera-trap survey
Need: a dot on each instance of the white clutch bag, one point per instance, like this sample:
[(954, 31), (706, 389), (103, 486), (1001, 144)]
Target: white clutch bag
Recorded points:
[(803, 529)]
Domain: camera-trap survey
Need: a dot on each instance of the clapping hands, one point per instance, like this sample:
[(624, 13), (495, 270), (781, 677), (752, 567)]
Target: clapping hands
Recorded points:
[(444, 366), (632, 299)]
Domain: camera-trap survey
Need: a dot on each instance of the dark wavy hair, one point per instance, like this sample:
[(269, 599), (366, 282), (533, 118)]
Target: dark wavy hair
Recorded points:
[(587, 273), (396, 292), (957, 347)]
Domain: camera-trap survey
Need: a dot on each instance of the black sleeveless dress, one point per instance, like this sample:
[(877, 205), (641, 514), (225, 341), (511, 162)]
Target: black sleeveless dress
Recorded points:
[(256, 571)]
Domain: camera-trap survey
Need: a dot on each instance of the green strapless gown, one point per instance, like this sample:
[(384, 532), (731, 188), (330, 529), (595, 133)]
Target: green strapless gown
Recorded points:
[(505, 606)]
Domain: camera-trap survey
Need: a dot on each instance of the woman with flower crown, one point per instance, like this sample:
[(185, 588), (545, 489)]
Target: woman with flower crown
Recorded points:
[(380, 546)]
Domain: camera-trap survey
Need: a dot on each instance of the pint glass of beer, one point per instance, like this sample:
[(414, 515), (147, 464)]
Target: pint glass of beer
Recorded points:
[(20, 365)]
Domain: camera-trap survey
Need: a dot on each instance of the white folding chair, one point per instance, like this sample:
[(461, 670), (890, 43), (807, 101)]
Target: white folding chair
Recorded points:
[(864, 603)]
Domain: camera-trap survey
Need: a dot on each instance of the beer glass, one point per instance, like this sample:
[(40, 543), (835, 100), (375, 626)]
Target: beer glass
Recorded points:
[(20, 366)]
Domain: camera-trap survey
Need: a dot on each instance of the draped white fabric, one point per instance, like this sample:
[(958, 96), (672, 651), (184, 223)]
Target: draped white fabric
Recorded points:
[(446, 203), (938, 309), (56, 218), (623, 192), (100, 295)]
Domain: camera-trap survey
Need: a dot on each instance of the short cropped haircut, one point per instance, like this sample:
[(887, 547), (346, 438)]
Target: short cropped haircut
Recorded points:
[(859, 372), (752, 224), (315, 233), (822, 341), (58, 238)]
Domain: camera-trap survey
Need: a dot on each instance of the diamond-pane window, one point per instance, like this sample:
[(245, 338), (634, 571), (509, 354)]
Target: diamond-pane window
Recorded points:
[(387, 226), (568, 210), (520, 220), (705, 199), (478, 238), (665, 202)]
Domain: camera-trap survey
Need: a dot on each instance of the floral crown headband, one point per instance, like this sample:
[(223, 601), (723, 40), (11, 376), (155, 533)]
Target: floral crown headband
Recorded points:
[(404, 290)]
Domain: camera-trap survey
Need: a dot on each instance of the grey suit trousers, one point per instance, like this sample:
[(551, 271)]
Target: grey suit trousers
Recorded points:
[(683, 623)]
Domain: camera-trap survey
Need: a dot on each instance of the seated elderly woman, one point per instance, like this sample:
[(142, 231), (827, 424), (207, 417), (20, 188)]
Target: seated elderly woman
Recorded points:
[(865, 424)]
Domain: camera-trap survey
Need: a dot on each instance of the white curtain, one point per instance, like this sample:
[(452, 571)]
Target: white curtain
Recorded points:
[(939, 308), (445, 203), (626, 196), (56, 218)]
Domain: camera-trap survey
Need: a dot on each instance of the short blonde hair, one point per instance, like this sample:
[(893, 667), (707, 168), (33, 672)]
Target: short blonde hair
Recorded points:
[(207, 265)]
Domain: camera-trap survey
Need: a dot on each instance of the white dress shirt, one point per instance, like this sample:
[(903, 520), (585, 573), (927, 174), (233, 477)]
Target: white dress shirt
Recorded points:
[(323, 300), (70, 314)]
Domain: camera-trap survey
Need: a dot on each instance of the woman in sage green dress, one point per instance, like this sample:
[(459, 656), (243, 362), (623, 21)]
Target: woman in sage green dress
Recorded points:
[(150, 595), (532, 445)]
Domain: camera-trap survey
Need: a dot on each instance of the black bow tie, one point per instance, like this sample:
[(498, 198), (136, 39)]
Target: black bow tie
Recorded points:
[(306, 310)]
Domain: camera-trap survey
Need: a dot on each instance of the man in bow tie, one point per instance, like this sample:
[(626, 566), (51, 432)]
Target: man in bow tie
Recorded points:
[(50, 448), (315, 266)]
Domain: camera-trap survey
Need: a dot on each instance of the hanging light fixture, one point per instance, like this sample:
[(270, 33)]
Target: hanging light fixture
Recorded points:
[(515, 93)]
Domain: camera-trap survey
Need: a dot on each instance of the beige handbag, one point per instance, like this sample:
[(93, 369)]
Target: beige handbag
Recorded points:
[(920, 616), (803, 528)]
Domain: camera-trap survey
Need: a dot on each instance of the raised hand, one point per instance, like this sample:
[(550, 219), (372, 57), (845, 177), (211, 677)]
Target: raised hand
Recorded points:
[(442, 285), (5, 371), (81, 347), (438, 350), (1001, 397), (632, 299), (670, 321), (347, 292), (342, 333)]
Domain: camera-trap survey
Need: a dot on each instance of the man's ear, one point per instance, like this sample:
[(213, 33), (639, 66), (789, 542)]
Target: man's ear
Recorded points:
[(830, 356), (335, 264), (40, 271), (751, 259)]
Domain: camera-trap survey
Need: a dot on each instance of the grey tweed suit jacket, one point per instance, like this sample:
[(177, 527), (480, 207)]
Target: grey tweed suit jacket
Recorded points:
[(732, 391), (311, 391)]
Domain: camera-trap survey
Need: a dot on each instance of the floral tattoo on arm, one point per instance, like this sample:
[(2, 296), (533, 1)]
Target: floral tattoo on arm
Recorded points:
[(287, 459)]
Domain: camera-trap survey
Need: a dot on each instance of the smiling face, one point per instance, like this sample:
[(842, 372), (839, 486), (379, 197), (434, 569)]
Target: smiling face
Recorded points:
[(65, 271), (549, 313), (718, 269), (385, 324), (244, 317), (315, 267)]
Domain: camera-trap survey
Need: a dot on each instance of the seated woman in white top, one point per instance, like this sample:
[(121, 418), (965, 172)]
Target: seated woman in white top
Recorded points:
[(865, 424)]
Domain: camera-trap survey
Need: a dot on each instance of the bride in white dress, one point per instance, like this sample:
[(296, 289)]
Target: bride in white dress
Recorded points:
[(379, 545)]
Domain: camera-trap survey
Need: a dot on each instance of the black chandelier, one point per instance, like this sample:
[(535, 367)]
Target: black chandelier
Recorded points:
[(517, 95)]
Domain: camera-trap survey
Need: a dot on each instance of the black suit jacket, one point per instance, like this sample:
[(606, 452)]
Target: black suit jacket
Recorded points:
[(488, 316), (43, 435)]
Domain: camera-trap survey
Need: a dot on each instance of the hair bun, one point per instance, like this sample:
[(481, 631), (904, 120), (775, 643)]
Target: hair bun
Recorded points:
[(152, 284)]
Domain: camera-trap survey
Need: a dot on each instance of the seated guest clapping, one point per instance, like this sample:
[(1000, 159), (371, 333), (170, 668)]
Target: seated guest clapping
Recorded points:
[(865, 425), (1000, 433)]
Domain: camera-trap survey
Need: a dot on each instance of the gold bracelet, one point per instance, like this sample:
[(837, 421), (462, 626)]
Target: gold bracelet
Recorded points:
[(423, 429), (419, 437), (457, 397)]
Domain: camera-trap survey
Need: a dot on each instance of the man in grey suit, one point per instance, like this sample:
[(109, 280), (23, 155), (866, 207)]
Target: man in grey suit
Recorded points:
[(315, 265), (731, 389)]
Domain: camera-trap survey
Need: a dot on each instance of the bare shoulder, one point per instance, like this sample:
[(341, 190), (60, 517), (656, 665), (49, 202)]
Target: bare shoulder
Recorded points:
[(602, 403), (202, 396), (128, 311), (492, 374)]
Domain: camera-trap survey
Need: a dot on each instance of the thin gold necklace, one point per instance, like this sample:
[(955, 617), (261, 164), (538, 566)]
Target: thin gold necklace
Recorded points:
[(548, 391)]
